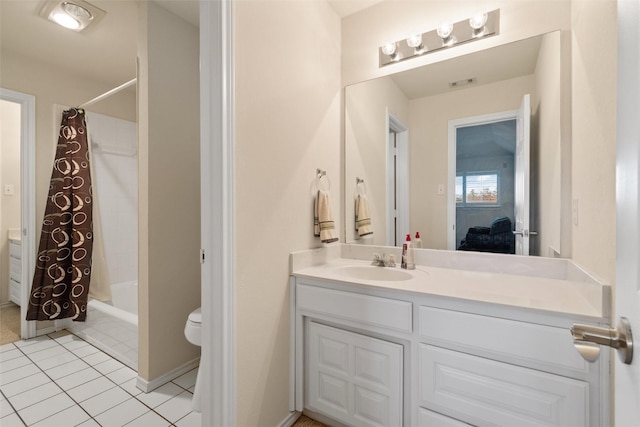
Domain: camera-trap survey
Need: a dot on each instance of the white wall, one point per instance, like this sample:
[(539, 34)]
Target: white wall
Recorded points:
[(10, 175), (287, 124), (114, 144)]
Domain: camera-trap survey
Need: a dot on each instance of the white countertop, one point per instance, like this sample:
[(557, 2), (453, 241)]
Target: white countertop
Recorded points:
[(578, 296)]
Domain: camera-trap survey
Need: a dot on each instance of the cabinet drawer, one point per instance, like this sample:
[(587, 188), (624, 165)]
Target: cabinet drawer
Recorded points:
[(15, 291), (15, 269), (534, 345), (485, 392), (15, 250), (427, 418), (374, 311)]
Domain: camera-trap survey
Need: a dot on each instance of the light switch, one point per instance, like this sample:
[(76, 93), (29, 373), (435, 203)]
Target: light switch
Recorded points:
[(8, 190), (440, 189)]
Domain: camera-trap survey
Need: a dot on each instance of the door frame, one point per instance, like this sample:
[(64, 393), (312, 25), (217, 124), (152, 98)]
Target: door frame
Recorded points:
[(218, 360), (27, 199), (398, 182), (454, 125)]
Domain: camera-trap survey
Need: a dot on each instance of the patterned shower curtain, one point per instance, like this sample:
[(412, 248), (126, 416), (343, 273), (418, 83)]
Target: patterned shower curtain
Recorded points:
[(60, 286)]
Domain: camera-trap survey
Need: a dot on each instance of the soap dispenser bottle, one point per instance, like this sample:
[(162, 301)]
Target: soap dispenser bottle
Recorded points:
[(417, 242), (407, 255)]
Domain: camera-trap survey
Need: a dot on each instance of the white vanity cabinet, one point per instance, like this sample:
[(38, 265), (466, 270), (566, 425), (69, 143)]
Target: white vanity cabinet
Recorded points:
[(370, 356), (15, 271)]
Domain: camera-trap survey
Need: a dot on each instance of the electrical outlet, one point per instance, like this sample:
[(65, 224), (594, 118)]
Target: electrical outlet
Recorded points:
[(440, 189), (8, 190)]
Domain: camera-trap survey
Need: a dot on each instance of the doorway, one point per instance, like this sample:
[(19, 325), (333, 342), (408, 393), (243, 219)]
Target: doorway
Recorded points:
[(24, 230), (397, 181), (476, 188)]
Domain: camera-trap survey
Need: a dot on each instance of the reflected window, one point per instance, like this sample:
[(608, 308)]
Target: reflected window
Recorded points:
[(477, 188)]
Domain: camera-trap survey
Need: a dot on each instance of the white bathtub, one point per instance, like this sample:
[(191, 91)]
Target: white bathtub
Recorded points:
[(113, 327)]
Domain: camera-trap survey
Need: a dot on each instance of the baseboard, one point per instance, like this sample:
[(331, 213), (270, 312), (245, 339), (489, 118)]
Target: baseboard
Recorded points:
[(291, 419), (8, 304), (149, 386), (45, 331)]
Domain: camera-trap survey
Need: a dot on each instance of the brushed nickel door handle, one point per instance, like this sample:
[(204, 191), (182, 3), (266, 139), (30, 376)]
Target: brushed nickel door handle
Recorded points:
[(588, 340)]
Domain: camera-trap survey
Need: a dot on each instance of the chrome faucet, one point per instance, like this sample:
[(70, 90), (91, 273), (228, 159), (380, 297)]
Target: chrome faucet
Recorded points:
[(383, 260)]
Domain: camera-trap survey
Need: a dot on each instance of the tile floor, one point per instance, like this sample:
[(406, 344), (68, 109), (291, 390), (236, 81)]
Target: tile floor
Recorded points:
[(59, 380)]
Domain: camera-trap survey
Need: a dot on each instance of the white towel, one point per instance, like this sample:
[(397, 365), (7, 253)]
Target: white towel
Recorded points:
[(323, 225), (363, 216)]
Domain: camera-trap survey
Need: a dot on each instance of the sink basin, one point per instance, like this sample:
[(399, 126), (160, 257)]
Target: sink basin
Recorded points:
[(365, 272)]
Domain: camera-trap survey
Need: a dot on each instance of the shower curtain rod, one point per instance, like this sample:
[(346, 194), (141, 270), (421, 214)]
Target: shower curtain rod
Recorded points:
[(109, 93)]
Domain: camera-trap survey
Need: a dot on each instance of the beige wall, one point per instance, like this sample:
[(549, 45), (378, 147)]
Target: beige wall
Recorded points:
[(546, 149), (594, 64), (10, 170), (287, 124), (169, 189), (365, 121)]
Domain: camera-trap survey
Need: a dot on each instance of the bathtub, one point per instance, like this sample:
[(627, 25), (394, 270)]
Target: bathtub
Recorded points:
[(113, 326)]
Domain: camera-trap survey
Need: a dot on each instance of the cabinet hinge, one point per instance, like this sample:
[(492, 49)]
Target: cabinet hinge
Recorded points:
[(201, 256)]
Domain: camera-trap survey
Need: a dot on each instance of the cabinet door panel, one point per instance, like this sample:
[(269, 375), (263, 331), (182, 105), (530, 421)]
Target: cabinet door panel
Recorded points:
[(427, 418), (353, 378), (484, 392)]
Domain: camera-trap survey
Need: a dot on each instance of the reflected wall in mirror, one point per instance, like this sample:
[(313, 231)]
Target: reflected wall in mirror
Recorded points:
[(397, 141)]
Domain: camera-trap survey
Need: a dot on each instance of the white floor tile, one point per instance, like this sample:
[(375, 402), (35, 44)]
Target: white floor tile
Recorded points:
[(122, 414), (18, 374), (7, 347), (57, 360), (69, 417), (66, 369), (150, 419), (36, 344), (31, 397), (11, 420), (122, 375), (90, 389), (176, 408), (25, 384), (46, 408), (85, 351), (78, 378), (130, 387), (59, 334), (10, 353), (5, 408), (159, 395), (48, 352), (90, 423), (14, 363), (73, 343), (95, 358), (108, 366), (104, 401), (194, 419), (187, 380)]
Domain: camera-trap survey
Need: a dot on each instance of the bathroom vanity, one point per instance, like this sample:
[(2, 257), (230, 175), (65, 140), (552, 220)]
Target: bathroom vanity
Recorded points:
[(465, 338), (15, 269)]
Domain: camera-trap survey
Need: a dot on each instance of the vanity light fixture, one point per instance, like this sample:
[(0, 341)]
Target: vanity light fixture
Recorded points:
[(445, 36), (75, 15), (415, 41)]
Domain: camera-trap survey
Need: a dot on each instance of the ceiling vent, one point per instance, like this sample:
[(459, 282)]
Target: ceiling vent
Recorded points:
[(75, 15), (463, 82)]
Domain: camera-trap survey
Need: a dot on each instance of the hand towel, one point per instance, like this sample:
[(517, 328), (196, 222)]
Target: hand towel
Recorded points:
[(323, 225), (363, 217)]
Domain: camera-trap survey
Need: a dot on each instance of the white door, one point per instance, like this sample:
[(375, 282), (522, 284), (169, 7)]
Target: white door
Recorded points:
[(397, 181), (522, 177), (627, 290)]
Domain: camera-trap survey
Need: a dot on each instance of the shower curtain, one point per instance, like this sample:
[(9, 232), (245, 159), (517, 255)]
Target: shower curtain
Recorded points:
[(63, 271)]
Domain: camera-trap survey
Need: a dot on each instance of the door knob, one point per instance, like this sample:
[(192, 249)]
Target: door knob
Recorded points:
[(588, 340), (525, 233)]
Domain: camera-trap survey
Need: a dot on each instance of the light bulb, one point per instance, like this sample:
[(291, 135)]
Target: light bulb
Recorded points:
[(414, 41), (389, 49), (444, 30), (66, 21), (477, 21)]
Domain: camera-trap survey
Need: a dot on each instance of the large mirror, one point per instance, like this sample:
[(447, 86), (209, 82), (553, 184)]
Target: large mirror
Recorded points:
[(434, 150)]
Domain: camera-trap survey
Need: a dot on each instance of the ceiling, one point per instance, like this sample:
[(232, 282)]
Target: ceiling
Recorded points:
[(107, 51)]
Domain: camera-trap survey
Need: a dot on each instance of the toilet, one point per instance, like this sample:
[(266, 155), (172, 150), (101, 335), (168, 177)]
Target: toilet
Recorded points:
[(192, 331)]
